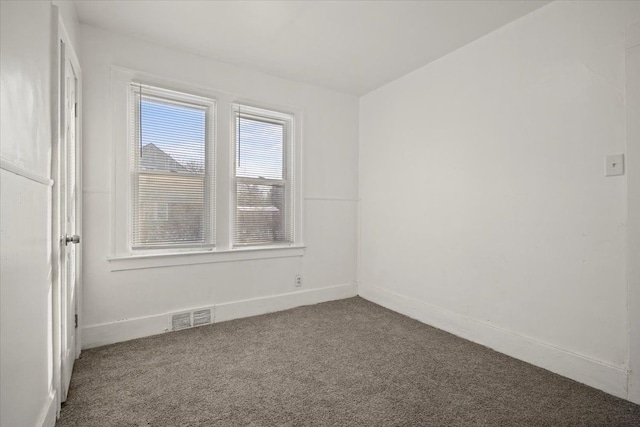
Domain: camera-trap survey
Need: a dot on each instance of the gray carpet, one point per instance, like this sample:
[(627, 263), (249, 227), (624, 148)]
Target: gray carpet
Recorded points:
[(342, 363)]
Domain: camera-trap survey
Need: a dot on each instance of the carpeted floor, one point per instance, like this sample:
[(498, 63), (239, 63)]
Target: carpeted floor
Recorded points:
[(342, 363)]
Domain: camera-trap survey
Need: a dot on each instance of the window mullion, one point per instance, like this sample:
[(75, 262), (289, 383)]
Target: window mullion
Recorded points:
[(225, 186)]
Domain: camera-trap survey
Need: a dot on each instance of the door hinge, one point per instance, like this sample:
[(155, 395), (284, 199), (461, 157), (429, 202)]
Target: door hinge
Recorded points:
[(75, 109), (76, 320)]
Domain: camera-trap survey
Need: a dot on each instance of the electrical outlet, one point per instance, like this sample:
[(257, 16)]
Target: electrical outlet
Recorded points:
[(298, 281)]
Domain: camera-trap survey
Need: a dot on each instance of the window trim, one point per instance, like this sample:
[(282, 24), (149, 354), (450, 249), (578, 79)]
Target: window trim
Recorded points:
[(164, 259), (121, 256), (288, 180), (137, 87)]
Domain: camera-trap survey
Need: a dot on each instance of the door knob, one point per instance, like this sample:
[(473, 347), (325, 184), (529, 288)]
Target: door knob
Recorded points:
[(75, 239)]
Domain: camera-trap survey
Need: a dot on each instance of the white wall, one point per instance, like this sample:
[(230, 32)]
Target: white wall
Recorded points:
[(26, 40), (121, 305), (25, 145), (485, 210), (25, 295), (26, 37), (67, 12)]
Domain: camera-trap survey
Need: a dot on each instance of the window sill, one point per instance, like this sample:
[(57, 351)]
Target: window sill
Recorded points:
[(159, 260)]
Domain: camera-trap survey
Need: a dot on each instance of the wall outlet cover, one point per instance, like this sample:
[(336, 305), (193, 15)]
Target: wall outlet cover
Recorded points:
[(614, 165)]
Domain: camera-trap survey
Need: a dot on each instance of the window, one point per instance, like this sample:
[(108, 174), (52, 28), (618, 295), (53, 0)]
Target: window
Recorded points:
[(201, 176), (263, 180), (172, 185)]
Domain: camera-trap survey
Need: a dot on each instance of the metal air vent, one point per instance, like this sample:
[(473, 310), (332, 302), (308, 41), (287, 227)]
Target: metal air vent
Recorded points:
[(180, 321), (202, 317)]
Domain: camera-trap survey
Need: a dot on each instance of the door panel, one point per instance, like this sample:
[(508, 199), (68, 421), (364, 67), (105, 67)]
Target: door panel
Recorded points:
[(68, 182)]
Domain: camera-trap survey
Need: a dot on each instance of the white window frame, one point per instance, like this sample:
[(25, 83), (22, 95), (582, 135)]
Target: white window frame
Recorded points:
[(288, 180), (121, 256), (209, 105)]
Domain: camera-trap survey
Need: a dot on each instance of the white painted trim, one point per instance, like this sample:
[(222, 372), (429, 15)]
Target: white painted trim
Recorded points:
[(159, 260), (609, 378), (48, 414), (332, 199), (257, 306), (128, 329), (20, 171), (56, 90), (632, 166), (79, 195)]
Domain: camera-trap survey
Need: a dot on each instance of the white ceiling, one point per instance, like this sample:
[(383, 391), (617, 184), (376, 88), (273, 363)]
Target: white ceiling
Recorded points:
[(351, 47)]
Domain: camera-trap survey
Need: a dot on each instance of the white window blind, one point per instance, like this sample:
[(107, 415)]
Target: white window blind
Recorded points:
[(172, 169), (263, 177)]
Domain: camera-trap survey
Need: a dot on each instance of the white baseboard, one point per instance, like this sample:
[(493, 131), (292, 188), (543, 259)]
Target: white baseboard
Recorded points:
[(48, 414), (257, 306), (128, 329), (609, 378)]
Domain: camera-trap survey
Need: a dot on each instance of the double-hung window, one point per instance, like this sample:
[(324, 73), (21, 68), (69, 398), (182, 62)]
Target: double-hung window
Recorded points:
[(200, 172), (263, 179), (172, 169)]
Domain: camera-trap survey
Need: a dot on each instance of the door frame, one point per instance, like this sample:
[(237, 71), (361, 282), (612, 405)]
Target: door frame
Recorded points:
[(632, 172), (63, 50)]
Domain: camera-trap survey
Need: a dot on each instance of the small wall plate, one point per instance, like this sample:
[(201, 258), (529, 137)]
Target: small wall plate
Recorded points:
[(614, 165)]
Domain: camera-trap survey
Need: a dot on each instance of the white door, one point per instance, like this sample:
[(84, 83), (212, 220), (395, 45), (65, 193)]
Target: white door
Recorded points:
[(68, 200)]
